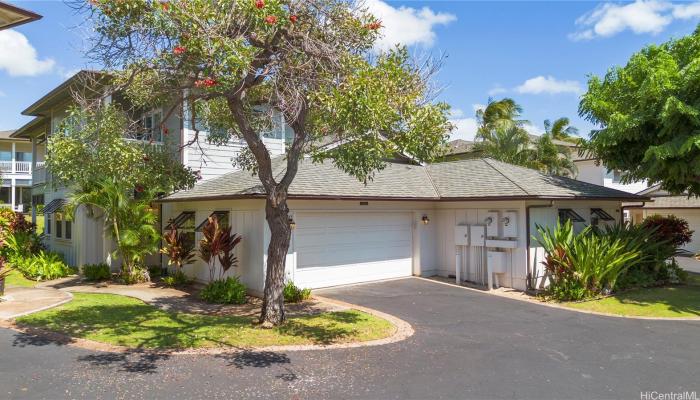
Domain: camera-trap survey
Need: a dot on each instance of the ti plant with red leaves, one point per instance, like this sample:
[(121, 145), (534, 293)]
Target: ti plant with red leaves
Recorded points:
[(218, 243), (178, 248)]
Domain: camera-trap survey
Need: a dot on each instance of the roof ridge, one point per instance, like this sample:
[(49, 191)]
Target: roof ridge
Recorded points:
[(486, 160)]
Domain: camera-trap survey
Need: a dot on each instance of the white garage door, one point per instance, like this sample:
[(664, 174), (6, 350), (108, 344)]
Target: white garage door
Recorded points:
[(341, 248)]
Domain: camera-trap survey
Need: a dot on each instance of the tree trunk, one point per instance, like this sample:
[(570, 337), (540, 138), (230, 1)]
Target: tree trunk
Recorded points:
[(277, 215)]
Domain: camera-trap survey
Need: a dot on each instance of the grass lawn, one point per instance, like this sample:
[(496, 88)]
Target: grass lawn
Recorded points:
[(130, 322), (39, 222), (17, 279), (672, 301)]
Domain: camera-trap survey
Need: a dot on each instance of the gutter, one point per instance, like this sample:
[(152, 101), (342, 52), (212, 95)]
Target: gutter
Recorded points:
[(528, 276)]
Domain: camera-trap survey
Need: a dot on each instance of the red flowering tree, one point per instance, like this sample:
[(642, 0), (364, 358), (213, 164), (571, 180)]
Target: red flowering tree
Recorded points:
[(239, 63)]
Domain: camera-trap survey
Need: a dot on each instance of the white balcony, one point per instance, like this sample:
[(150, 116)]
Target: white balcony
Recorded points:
[(17, 167)]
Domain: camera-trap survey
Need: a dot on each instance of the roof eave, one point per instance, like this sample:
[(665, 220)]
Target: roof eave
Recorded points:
[(25, 16)]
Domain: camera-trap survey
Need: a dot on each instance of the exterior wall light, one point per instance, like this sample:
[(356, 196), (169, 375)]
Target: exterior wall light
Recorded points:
[(292, 224), (425, 220)]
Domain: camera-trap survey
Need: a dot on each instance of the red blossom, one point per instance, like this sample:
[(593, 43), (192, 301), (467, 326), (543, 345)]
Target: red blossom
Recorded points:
[(179, 50), (374, 26), (271, 19), (293, 18), (165, 131), (165, 6), (206, 82), (260, 3), (139, 189), (146, 158)]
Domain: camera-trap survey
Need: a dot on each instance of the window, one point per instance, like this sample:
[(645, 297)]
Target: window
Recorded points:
[(151, 123), (69, 229), (222, 216), (5, 155), (23, 156), (566, 214), (59, 225), (48, 224), (601, 214), (617, 176), (5, 195), (184, 223)]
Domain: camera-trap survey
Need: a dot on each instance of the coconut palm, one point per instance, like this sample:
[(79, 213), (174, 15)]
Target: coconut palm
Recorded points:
[(561, 129), (130, 222), (551, 158), (509, 144), (498, 115)]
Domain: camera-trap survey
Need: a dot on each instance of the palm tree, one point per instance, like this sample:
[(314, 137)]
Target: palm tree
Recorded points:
[(498, 115), (561, 129), (130, 222), (509, 144), (552, 159)]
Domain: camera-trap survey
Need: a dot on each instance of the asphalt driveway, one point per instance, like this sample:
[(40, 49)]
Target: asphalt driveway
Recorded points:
[(467, 345)]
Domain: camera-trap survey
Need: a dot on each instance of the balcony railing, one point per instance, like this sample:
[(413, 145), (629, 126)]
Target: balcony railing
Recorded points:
[(17, 167)]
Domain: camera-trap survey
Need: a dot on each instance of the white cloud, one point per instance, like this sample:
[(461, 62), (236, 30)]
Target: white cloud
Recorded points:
[(549, 84), (464, 128), (19, 58), (642, 16), (478, 107), (533, 129), (687, 11), (406, 25)]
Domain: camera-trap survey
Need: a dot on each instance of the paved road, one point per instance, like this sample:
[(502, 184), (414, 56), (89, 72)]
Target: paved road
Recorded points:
[(467, 345)]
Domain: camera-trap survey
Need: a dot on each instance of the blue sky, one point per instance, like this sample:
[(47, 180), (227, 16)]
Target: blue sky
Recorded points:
[(539, 53)]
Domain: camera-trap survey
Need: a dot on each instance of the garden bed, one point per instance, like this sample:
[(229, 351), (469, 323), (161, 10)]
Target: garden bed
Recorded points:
[(126, 321)]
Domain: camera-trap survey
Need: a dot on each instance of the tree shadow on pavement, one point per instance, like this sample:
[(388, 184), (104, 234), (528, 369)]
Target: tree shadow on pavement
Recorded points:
[(133, 361)]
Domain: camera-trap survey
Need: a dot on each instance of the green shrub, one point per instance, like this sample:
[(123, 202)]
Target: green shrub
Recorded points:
[(226, 291), (294, 294), (155, 271), (20, 243), (42, 266), (138, 274), (178, 278), (586, 264), (96, 272)]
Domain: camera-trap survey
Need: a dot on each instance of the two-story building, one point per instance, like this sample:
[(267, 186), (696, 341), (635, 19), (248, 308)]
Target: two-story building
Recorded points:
[(17, 161), (83, 239)]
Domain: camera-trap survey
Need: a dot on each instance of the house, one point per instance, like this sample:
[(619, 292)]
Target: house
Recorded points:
[(83, 240), (16, 166), (664, 203), (459, 218), (11, 16), (591, 170)]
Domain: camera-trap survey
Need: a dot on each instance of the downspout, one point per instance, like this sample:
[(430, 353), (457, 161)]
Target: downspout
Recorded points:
[(529, 285)]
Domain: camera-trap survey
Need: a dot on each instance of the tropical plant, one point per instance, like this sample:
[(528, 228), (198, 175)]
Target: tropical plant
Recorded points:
[(21, 243), (507, 144), (669, 228), (242, 64), (648, 115), (130, 222), (224, 291), (178, 278), (295, 294), (5, 271), (218, 243), (584, 264), (42, 266), (96, 272), (550, 158), (178, 248), (561, 129), (498, 115)]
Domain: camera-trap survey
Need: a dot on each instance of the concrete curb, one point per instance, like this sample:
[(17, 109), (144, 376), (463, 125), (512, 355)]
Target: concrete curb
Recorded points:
[(402, 331), (558, 306), (69, 297)]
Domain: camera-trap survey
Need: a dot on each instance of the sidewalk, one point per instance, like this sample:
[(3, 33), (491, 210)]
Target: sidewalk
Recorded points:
[(20, 301)]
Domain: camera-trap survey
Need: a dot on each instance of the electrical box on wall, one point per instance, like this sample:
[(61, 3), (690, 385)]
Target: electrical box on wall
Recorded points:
[(509, 224), (462, 235), (477, 234), (491, 222)]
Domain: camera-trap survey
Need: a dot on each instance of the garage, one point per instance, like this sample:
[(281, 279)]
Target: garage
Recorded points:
[(339, 248)]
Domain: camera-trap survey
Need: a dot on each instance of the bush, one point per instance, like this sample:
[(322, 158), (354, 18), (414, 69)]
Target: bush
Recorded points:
[(294, 294), (179, 278), (138, 274), (669, 229), (96, 272), (586, 264), (226, 291), (155, 271), (42, 266)]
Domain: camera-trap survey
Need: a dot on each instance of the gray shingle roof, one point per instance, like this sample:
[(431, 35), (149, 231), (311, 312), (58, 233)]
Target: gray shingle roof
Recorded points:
[(464, 179)]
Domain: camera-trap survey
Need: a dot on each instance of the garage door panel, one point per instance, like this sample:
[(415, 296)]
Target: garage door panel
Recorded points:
[(339, 248)]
